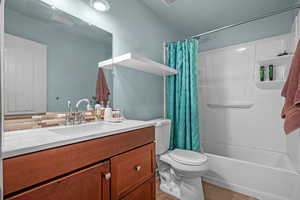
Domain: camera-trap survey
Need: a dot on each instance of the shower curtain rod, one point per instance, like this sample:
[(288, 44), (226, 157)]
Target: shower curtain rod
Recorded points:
[(272, 13)]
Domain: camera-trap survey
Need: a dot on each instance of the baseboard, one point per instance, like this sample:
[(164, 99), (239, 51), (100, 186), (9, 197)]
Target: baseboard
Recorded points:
[(243, 190)]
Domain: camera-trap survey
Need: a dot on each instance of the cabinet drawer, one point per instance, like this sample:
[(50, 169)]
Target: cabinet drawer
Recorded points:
[(145, 191), (131, 169)]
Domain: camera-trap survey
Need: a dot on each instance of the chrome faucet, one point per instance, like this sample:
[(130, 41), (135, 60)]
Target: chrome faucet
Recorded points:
[(76, 117), (79, 117), (88, 107)]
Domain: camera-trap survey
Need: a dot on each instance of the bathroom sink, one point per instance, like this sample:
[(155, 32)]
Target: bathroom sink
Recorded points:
[(84, 129)]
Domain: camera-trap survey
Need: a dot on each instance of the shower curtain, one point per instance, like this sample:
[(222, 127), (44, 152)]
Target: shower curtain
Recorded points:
[(183, 95)]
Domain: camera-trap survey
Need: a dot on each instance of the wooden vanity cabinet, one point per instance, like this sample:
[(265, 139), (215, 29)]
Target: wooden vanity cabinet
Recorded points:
[(119, 167)]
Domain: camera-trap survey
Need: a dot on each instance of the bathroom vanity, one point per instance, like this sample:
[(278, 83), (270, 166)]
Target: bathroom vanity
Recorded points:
[(115, 162)]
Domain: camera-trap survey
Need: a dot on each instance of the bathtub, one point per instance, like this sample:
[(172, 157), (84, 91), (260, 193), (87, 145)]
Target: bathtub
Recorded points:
[(261, 174)]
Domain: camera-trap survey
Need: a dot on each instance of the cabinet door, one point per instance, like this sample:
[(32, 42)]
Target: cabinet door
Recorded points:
[(145, 191), (87, 184)]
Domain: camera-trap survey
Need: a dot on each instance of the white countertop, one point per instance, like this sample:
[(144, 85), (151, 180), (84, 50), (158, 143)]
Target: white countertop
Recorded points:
[(17, 143)]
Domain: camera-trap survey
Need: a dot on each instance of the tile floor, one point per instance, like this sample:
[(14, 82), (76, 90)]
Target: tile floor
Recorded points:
[(212, 192)]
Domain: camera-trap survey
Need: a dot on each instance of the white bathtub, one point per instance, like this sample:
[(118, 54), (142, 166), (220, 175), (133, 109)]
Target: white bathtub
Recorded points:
[(264, 175)]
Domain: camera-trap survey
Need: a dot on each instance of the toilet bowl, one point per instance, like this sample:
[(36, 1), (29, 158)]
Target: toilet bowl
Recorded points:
[(180, 171)]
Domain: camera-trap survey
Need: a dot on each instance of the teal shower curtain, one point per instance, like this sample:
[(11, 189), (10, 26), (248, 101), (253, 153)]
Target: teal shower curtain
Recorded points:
[(182, 95)]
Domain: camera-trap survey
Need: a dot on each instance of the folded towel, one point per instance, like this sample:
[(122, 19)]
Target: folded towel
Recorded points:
[(291, 92), (102, 90)]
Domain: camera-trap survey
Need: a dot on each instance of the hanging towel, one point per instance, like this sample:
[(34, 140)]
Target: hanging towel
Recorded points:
[(102, 90), (291, 92)]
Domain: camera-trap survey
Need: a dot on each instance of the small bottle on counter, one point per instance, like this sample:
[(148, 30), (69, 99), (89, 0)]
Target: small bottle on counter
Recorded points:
[(107, 113), (98, 111), (116, 114), (102, 110), (262, 73), (271, 72)]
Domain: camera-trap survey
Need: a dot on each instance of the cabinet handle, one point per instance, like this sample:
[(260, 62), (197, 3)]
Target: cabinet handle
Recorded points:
[(138, 168), (107, 176)]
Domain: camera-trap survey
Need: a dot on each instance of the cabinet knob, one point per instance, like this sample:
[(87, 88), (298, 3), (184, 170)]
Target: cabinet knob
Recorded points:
[(138, 168), (107, 176)]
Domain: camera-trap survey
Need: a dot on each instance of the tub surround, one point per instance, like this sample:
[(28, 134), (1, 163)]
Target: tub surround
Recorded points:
[(17, 143), (264, 181)]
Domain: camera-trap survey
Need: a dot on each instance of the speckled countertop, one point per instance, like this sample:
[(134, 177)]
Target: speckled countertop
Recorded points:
[(28, 141)]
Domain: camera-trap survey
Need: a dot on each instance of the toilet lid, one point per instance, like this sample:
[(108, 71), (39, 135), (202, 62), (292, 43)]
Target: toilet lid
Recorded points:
[(188, 157)]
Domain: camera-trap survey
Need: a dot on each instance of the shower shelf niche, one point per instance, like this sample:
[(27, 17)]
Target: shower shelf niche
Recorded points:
[(269, 85), (139, 63), (280, 63), (277, 61)]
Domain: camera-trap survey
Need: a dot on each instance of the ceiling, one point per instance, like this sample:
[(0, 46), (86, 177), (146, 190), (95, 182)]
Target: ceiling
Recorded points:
[(192, 17)]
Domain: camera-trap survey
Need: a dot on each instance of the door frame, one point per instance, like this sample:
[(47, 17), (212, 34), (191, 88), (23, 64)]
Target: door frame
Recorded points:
[(2, 5)]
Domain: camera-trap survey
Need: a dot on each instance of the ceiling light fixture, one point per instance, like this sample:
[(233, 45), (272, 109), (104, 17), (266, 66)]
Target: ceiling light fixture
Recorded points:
[(168, 2), (241, 49), (101, 5)]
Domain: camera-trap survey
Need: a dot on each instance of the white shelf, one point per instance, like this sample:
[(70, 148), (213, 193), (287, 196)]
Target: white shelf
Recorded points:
[(234, 104), (138, 62), (277, 61), (269, 85)]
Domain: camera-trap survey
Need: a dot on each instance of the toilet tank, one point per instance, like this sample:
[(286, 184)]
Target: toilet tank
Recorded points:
[(293, 148), (162, 135)]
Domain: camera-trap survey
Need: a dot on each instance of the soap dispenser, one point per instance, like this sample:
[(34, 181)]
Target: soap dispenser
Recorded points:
[(107, 113), (98, 111)]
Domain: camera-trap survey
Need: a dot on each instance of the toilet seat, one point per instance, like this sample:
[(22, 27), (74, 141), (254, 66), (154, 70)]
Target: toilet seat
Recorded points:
[(181, 165), (188, 157)]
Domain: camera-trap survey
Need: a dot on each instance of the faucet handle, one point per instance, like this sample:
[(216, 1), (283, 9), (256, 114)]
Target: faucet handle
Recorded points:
[(69, 104)]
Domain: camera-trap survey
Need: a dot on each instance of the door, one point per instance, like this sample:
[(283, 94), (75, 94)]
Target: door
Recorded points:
[(25, 80), (92, 183)]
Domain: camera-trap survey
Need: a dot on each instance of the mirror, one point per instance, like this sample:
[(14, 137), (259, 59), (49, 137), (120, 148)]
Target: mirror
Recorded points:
[(50, 57)]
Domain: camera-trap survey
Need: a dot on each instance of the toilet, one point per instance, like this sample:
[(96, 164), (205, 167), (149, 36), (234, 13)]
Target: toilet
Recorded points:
[(180, 171)]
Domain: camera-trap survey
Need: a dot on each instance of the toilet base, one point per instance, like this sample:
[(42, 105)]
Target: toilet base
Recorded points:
[(169, 183), (172, 193), (183, 182), (191, 189), (181, 188)]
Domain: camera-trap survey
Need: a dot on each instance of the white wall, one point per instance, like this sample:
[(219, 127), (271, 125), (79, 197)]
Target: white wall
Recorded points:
[(258, 127)]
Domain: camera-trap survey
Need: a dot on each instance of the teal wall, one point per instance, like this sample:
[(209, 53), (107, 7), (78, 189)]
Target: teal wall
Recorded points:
[(135, 29), (72, 59), (271, 26)]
